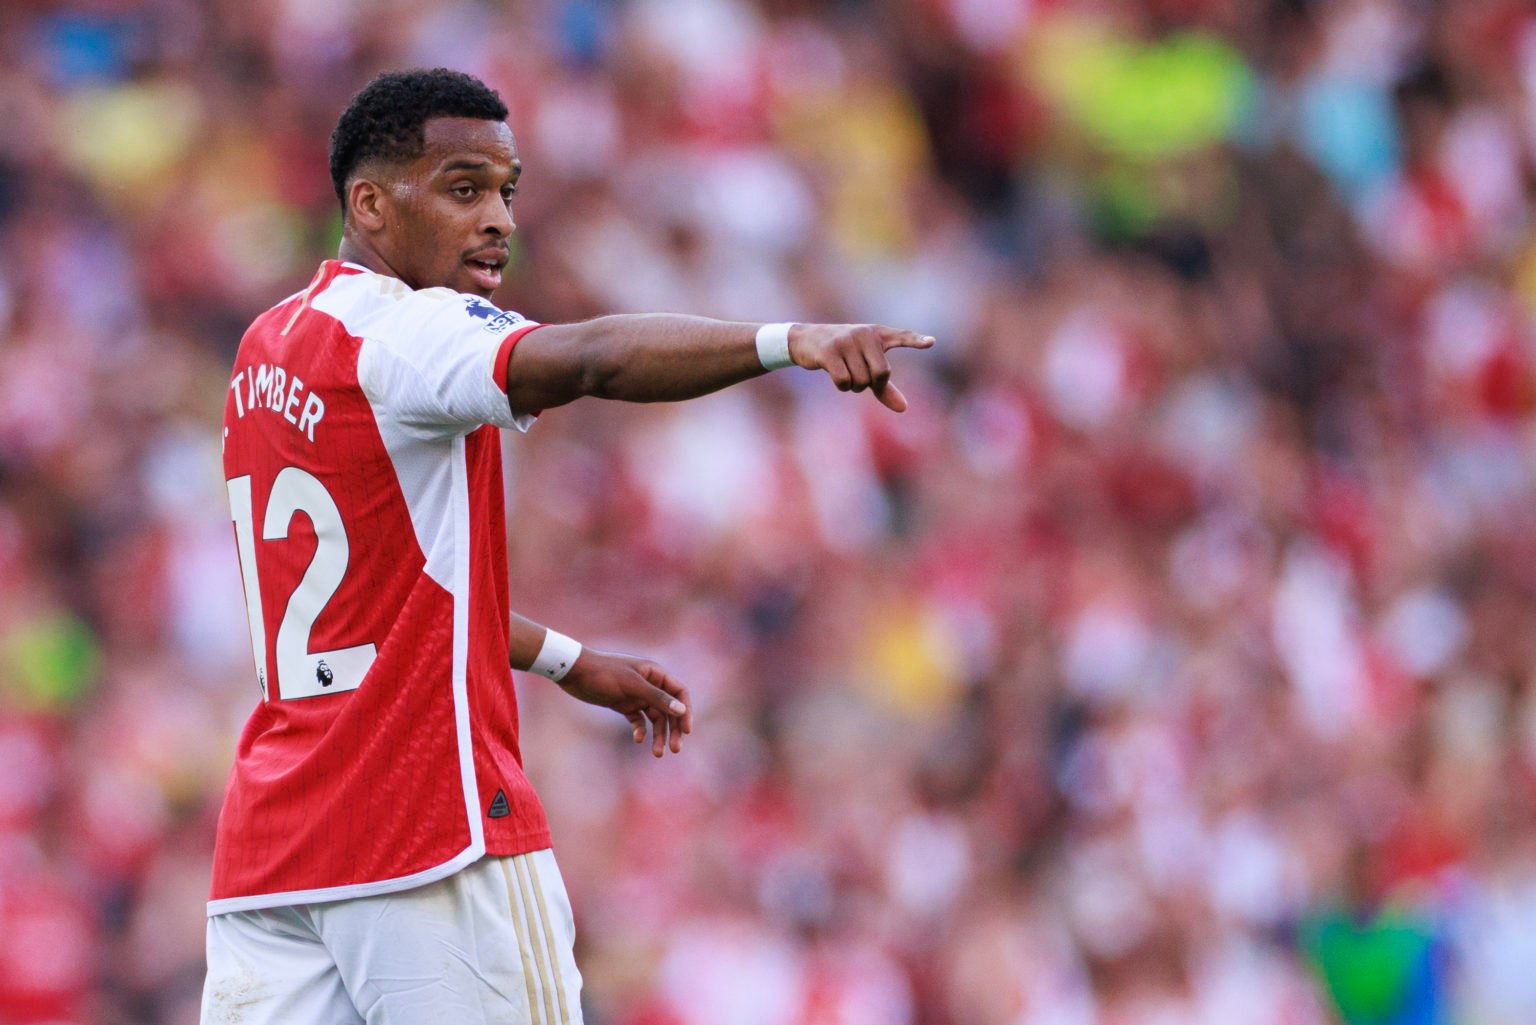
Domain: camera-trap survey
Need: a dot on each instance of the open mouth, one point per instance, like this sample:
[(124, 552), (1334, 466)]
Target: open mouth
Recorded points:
[(486, 271)]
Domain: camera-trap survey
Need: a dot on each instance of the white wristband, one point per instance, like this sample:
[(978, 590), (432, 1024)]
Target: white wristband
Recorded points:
[(557, 656), (773, 346)]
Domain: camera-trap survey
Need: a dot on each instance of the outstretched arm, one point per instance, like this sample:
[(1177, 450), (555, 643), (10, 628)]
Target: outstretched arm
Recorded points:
[(636, 688), (664, 357)]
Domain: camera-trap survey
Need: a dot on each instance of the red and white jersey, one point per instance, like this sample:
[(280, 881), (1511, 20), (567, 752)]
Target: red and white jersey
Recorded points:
[(363, 462)]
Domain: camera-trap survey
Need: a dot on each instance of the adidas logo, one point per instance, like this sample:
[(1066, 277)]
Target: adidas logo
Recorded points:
[(499, 808)]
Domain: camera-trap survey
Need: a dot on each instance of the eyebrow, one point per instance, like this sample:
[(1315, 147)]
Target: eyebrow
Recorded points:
[(476, 165)]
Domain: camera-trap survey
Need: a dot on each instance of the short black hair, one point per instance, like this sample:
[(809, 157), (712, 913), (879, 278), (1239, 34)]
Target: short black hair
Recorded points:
[(387, 118)]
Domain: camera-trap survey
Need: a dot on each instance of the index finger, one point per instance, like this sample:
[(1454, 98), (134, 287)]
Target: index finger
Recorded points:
[(676, 694), (895, 338)]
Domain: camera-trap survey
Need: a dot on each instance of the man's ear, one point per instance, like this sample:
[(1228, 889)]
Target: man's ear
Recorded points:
[(365, 204)]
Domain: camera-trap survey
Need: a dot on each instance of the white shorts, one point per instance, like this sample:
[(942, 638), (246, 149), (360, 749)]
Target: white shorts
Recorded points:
[(489, 944)]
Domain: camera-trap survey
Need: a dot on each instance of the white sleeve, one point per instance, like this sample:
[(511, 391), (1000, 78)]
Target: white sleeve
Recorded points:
[(438, 362)]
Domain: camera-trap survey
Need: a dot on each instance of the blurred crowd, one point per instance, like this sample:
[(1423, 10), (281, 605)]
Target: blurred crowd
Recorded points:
[(1171, 662)]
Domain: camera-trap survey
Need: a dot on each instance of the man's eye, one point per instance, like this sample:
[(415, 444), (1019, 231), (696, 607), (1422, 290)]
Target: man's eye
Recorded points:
[(463, 191), (508, 192)]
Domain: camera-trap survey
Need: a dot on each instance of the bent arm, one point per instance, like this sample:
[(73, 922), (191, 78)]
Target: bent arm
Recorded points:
[(663, 357), (636, 688), (525, 640)]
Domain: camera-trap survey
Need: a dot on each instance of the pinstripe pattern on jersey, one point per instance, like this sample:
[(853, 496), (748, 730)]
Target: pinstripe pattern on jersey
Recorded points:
[(379, 788)]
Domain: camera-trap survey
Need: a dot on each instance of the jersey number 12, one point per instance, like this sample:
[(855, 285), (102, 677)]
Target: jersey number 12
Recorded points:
[(301, 673)]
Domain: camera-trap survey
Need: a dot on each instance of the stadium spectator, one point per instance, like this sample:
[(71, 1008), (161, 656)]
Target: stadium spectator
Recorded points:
[(1173, 646)]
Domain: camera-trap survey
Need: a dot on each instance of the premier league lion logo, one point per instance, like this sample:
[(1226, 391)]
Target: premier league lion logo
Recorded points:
[(495, 320)]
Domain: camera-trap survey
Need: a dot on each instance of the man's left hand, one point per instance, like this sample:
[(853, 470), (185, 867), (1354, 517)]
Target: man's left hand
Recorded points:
[(638, 689)]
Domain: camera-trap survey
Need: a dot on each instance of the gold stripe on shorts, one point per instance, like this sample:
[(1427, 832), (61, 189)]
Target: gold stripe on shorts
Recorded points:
[(522, 944), (549, 940), (521, 862)]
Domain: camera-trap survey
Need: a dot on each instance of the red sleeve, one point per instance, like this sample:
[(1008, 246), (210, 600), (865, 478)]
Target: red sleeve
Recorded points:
[(504, 353)]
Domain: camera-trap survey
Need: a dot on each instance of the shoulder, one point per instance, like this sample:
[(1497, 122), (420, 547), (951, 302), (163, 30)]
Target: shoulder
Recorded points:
[(386, 309), (492, 318), (363, 301)]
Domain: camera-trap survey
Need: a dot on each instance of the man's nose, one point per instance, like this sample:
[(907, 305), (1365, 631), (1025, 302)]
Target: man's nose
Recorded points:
[(498, 220)]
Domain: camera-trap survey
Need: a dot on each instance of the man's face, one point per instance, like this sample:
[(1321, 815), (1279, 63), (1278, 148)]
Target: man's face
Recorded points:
[(449, 212)]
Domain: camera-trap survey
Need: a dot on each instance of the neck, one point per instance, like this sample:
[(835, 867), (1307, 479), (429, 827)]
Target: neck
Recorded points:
[(355, 250)]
